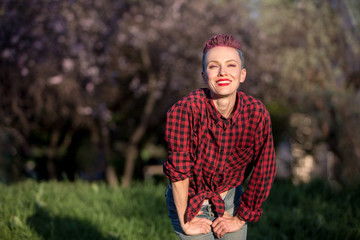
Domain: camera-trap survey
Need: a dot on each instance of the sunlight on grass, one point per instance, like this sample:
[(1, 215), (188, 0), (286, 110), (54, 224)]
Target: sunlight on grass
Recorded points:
[(81, 210)]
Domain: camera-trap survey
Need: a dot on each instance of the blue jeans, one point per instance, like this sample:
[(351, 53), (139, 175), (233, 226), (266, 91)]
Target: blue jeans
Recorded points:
[(232, 202)]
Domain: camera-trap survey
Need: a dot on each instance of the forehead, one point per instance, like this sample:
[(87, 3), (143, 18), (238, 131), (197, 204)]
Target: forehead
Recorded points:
[(222, 54)]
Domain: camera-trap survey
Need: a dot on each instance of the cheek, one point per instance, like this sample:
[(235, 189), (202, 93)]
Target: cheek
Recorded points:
[(210, 75), (236, 74)]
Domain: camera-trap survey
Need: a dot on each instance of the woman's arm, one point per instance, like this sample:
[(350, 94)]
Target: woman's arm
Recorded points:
[(180, 192), (195, 226)]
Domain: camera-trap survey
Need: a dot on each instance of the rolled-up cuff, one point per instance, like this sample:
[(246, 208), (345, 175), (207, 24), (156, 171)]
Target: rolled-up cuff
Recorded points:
[(178, 166), (247, 214)]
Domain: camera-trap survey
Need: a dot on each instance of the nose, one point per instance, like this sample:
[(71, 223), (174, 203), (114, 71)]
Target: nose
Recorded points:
[(222, 71)]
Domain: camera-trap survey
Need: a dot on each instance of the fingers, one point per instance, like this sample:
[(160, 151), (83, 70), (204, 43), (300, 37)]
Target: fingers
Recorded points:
[(225, 217), (220, 227), (197, 226), (207, 221), (206, 228), (220, 231), (219, 234), (216, 222), (226, 224), (204, 219), (204, 224)]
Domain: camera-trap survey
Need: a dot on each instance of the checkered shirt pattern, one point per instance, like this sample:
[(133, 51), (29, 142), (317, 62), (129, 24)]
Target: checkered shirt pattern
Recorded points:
[(213, 152)]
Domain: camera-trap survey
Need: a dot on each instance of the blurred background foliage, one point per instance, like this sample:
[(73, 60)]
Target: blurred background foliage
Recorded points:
[(85, 84)]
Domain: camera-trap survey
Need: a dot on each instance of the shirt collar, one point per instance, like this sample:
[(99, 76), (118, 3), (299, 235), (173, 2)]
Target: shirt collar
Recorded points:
[(215, 114)]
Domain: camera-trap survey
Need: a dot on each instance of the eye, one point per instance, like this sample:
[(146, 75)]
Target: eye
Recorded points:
[(212, 66), (232, 65)]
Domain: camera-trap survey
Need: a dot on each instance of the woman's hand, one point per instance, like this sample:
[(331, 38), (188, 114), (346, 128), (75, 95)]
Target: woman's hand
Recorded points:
[(226, 224), (197, 226)]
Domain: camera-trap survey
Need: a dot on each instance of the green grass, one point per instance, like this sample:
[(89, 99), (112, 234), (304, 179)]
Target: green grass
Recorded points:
[(83, 211), (309, 211), (80, 210)]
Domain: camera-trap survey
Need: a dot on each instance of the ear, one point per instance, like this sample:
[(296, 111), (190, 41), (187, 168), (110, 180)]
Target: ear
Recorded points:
[(243, 75), (204, 77)]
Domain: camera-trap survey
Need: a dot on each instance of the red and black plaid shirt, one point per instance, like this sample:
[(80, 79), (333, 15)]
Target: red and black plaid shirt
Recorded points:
[(214, 152)]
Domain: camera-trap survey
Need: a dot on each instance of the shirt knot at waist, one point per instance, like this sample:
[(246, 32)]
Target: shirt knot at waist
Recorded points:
[(195, 203)]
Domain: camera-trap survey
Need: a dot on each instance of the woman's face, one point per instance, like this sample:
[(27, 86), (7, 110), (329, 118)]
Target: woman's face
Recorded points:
[(223, 72)]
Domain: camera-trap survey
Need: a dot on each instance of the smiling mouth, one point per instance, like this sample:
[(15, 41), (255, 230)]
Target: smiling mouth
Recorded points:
[(223, 82)]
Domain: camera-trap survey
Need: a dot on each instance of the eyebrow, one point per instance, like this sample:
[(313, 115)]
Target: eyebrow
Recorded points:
[(231, 60)]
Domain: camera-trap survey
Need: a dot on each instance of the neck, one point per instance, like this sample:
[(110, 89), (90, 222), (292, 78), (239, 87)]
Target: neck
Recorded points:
[(225, 105)]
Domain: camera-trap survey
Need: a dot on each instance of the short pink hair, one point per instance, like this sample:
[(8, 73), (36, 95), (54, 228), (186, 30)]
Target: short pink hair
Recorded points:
[(221, 40)]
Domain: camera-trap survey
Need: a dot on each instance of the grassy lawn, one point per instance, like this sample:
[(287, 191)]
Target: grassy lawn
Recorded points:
[(83, 211), (309, 211), (80, 210)]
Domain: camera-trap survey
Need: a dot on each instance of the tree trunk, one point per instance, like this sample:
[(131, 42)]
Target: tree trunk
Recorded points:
[(130, 163), (110, 172), (50, 165), (132, 152), (139, 132)]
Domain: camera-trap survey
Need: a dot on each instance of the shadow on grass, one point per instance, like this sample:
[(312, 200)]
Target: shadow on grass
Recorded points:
[(52, 227), (309, 211)]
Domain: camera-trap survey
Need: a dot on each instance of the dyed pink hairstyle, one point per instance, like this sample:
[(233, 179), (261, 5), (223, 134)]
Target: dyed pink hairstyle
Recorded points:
[(223, 40)]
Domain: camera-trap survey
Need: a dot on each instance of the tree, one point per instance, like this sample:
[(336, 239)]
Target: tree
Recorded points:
[(51, 75), (112, 69), (310, 58)]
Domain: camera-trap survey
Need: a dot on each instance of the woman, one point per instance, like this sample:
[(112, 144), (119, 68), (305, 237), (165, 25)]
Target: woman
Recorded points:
[(214, 134)]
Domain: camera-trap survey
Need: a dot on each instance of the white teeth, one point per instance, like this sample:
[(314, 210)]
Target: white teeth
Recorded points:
[(223, 82)]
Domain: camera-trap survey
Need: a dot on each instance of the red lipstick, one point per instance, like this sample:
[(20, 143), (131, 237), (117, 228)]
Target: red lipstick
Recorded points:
[(223, 82)]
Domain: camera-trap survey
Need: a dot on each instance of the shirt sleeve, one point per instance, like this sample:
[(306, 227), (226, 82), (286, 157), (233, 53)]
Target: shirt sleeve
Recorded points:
[(258, 187), (177, 134)]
